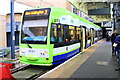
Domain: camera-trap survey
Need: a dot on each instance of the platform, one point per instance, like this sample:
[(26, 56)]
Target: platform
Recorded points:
[(95, 62)]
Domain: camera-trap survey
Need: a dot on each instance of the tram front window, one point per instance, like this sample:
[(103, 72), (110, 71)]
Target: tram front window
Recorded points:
[(34, 31)]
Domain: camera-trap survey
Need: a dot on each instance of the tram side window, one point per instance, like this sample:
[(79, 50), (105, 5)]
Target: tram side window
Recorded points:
[(95, 33), (99, 33), (89, 35), (60, 33), (66, 33), (78, 33), (72, 33), (56, 35), (53, 34)]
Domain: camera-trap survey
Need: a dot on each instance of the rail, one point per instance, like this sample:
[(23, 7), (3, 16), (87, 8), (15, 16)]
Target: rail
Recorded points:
[(31, 72), (19, 68)]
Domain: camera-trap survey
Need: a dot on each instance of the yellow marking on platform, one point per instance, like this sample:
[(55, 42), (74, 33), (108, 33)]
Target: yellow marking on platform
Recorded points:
[(102, 63)]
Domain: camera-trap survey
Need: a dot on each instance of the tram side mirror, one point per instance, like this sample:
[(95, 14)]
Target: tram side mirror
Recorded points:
[(66, 40)]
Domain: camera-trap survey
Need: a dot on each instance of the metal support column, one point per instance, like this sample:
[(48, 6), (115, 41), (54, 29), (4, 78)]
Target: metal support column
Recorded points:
[(12, 30), (114, 21), (114, 16)]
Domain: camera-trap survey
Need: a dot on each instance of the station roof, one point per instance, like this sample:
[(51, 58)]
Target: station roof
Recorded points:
[(24, 4)]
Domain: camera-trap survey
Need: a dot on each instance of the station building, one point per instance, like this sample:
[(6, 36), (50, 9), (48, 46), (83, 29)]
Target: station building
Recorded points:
[(5, 30), (95, 62), (82, 9), (2, 31), (17, 20)]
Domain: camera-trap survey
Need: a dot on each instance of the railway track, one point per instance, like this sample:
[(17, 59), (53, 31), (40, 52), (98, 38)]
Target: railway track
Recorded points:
[(30, 72), (33, 77), (22, 67)]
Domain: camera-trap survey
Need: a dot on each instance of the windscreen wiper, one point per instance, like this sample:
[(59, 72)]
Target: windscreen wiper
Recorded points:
[(28, 44)]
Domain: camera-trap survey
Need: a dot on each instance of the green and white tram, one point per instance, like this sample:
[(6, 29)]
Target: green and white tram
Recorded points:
[(50, 36)]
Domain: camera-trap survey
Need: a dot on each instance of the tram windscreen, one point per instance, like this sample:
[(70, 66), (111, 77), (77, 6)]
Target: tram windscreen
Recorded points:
[(34, 26)]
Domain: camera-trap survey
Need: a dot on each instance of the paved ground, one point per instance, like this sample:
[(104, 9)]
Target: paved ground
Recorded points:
[(8, 59), (99, 65), (95, 63)]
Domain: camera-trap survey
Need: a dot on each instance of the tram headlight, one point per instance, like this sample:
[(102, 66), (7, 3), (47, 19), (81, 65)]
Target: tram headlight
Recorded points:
[(20, 57)]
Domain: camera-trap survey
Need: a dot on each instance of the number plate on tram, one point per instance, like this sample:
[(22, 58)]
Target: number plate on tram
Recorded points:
[(44, 53)]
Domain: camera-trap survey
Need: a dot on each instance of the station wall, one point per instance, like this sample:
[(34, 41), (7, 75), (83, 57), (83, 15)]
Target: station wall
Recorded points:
[(17, 21), (2, 31), (47, 3), (17, 17), (5, 29)]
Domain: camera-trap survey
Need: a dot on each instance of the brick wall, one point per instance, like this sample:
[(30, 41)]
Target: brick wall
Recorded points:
[(47, 3), (17, 17), (2, 31)]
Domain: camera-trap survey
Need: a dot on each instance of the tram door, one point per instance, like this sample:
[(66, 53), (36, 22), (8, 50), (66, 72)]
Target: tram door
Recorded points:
[(83, 40), (92, 35)]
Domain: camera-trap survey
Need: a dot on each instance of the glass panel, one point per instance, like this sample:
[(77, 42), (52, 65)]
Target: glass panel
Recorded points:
[(36, 23), (53, 34), (60, 33), (34, 30), (66, 33), (89, 34), (56, 33), (72, 33), (78, 33), (96, 33)]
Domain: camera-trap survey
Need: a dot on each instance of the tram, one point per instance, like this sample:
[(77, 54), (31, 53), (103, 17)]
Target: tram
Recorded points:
[(50, 36)]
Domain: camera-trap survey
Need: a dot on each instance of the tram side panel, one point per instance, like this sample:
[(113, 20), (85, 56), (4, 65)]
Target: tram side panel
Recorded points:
[(66, 42)]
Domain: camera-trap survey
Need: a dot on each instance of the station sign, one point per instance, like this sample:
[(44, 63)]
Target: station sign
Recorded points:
[(106, 24)]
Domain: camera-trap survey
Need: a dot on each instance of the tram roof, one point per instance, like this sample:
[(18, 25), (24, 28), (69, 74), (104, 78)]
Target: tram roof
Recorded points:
[(72, 14), (76, 16)]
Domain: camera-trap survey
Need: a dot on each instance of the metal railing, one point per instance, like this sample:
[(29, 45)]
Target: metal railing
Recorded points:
[(7, 50)]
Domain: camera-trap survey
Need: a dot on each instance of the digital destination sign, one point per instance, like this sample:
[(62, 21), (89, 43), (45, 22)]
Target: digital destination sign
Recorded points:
[(37, 12)]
